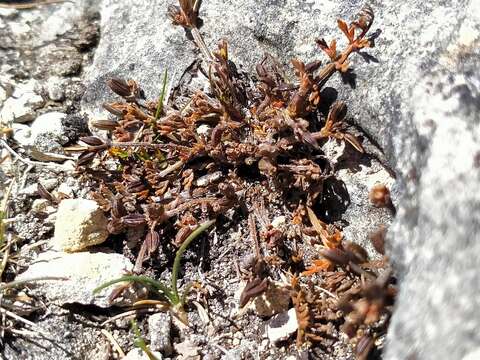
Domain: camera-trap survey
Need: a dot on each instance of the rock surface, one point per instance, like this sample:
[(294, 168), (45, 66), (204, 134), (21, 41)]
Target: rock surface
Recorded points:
[(282, 326), (80, 223), (138, 354), (21, 105), (159, 326), (84, 272), (416, 94)]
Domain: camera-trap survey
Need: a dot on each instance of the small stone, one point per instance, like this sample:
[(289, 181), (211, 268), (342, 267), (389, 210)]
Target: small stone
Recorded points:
[(83, 272), (138, 354), (55, 89), (21, 107), (32, 189), (40, 205), (474, 355), (278, 221), (159, 329), (66, 189), (22, 134), (49, 123), (187, 350), (204, 130), (80, 223), (8, 13), (282, 326)]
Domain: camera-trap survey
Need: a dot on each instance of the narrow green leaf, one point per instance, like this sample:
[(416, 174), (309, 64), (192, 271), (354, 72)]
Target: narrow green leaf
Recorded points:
[(140, 342), (162, 96), (180, 251), (158, 286)]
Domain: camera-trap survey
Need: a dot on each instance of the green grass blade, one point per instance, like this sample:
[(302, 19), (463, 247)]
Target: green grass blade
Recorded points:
[(142, 280), (162, 96), (181, 250), (140, 342)]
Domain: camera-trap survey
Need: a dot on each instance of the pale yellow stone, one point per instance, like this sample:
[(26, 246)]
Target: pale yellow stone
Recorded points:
[(80, 223)]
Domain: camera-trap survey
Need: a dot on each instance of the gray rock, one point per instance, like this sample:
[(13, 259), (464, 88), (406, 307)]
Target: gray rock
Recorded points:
[(66, 60), (74, 126), (282, 326), (55, 89), (84, 272), (42, 206), (32, 189), (22, 134), (138, 354), (80, 223), (416, 94), (21, 106), (49, 124), (8, 13), (159, 329)]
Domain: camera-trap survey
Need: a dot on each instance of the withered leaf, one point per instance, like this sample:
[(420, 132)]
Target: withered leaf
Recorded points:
[(298, 65), (322, 44), (44, 193), (312, 66), (342, 25), (354, 142), (253, 289), (335, 255), (318, 224), (337, 112)]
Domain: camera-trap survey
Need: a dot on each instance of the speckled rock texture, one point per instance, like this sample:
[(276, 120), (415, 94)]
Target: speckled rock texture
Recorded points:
[(416, 94), (81, 273)]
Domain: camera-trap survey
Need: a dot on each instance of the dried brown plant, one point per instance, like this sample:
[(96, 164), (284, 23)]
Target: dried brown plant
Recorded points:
[(246, 144)]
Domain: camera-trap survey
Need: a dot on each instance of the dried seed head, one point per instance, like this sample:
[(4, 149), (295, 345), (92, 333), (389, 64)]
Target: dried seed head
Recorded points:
[(114, 111), (380, 196), (115, 226), (253, 289), (85, 158), (119, 87), (364, 346), (133, 220), (92, 140), (182, 234), (104, 124), (152, 240), (118, 210), (364, 19)]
